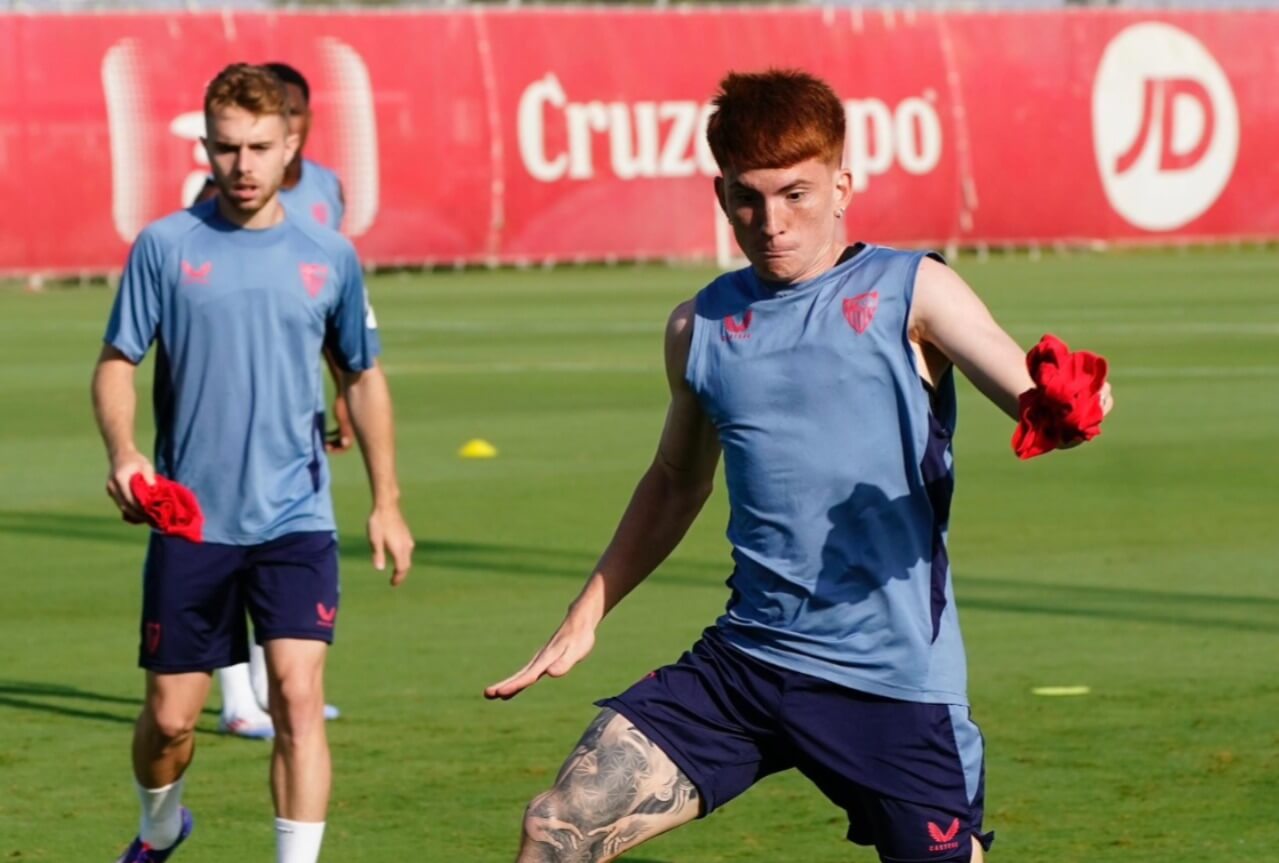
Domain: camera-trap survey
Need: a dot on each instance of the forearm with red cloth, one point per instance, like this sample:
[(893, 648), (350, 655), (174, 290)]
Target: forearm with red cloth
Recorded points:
[(1065, 406)]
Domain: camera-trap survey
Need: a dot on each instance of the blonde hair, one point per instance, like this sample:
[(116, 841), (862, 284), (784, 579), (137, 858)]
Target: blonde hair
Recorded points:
[(256, 89)]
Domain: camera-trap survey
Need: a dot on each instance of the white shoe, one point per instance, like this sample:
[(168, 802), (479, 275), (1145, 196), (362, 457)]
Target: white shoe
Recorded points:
[(256, 727)]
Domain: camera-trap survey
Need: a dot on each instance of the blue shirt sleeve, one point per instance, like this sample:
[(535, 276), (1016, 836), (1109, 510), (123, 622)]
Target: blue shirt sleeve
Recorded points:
[(352, 327), (136, 313), (339, 201)]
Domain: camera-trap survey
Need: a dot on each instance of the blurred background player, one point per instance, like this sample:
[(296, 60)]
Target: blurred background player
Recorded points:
[(824, 375), (240, 297), (309, 191)]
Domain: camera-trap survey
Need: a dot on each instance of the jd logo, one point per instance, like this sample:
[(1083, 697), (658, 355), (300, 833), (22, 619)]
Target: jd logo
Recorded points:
[(1165, 126), (1161, 101)]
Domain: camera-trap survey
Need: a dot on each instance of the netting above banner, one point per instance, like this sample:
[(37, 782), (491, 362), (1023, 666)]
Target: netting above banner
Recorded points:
[(922, 5)]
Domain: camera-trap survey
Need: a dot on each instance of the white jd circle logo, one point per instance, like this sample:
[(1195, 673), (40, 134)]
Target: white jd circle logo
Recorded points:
[(1165, 126)]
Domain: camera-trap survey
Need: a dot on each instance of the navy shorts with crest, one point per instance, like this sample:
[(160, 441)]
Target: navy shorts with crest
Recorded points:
[(194, 598), (909, 775)]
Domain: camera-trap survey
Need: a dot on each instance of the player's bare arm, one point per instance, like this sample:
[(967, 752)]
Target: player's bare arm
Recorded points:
[(369, 399), (114, 404), (616, 790), (950, 324), (665, 502)]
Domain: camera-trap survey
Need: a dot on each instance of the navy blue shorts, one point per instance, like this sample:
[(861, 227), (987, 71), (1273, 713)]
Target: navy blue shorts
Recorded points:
[(909, 775), (194, 596)]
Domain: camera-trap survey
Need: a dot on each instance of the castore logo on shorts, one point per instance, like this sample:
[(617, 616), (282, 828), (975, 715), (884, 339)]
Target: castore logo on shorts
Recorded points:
[(326, 616), (944, 839)]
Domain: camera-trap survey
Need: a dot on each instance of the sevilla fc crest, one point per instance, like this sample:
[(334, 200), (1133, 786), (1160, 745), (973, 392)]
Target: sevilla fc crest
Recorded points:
[(153, 637), (313, 278), (859, 311)]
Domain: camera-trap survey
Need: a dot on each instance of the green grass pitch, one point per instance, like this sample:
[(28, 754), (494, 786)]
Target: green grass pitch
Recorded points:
[(1142, 565)]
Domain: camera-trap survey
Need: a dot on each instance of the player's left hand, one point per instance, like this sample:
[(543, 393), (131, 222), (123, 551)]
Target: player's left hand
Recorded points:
[(1107, 401), (388, 532)]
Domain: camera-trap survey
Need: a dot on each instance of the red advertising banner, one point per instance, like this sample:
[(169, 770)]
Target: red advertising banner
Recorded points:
[(530, 135)]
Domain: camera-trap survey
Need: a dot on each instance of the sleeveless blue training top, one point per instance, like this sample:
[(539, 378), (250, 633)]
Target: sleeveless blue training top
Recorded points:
[(839, 471)]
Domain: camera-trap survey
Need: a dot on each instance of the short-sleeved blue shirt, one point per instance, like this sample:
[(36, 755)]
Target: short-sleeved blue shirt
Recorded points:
[(239, 317), (317, 196)]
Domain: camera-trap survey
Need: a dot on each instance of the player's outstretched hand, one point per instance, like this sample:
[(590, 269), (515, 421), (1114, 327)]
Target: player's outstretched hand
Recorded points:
[(123, 467), (1107, 401), (567, 647), (1106, 398), (388, 532)]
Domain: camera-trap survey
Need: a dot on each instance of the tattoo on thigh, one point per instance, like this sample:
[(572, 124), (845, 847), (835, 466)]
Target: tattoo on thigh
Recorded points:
[(615, 790)]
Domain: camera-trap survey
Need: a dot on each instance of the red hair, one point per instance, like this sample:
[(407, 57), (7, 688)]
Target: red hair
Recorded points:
[(775, 119)]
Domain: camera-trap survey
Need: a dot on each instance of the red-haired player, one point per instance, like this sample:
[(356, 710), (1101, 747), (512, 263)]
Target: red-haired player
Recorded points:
[(823, 374)]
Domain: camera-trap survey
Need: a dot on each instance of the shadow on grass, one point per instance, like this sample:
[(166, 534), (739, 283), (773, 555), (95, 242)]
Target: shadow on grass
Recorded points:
[(470, 556), (1123, 605), (1126, 605), (37, 697)]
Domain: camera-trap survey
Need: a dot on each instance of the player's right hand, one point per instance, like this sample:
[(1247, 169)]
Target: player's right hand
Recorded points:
[(340, 439), (567, 647), (123, 467)]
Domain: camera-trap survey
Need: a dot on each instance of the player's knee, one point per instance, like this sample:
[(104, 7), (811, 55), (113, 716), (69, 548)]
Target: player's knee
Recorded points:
[(169, 725), (539, 810), (550, 826), (297, 705)]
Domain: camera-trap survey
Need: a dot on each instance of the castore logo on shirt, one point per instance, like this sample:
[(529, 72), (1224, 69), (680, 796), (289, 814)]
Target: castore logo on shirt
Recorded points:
[(735, 330)]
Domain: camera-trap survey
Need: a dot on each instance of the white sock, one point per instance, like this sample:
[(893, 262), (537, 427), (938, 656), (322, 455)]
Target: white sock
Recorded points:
[(237, 693), (161, 814), (257, 674), (298, 841)]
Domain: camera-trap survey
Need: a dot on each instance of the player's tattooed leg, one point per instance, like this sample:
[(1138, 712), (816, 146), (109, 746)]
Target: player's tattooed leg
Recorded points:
[(616, 790)]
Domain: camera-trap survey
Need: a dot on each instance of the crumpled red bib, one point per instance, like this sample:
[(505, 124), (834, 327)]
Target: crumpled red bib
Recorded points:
[(171, 507), (1065, 405)]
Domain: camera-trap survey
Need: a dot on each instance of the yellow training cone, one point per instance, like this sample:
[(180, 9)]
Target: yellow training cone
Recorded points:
[(477, 448)]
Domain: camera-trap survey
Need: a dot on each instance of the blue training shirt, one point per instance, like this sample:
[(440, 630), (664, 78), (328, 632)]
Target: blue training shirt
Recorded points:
[(239, 317), (317, 196), (839, 471)]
